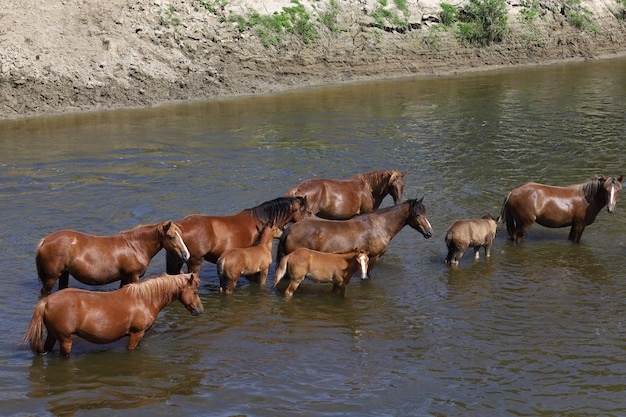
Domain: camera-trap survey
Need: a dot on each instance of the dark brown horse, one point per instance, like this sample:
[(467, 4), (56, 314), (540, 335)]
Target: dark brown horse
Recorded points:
[(576, 205), (370, 232), (342, 199), (207, 237), (99, 260), (337, 268), (104, 317)]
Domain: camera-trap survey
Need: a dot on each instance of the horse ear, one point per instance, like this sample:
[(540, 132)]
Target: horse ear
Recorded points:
[(420, 200), (621, 177), (402, 174)]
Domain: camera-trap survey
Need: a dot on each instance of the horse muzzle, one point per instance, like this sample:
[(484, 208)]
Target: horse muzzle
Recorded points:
[(610, 209), (196, 311), (427, 234)]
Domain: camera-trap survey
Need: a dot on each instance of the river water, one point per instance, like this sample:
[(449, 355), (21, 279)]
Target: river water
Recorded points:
[(536, 330)]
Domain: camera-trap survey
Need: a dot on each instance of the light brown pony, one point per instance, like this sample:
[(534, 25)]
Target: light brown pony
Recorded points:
[(253, 262), (337, 268), (463, 234), (576, 205), (371, 232), (342, 199), (207, 237), (99, 260), (104, 317)]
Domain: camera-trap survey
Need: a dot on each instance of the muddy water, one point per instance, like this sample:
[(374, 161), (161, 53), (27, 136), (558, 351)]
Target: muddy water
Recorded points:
[(537, 330)]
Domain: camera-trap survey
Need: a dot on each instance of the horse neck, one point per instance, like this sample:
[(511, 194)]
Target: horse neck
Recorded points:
[(377, 182), (156, 292), (266, 239), (394, 218), (144, 239)]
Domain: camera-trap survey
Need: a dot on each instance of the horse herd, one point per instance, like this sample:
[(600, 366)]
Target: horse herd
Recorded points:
[(328, 230)]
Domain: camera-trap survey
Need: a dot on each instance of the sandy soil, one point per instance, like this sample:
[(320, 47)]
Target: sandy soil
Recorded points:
[(60, 56)]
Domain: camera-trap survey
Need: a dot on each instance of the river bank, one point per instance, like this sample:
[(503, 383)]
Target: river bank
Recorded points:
[(80, 56)]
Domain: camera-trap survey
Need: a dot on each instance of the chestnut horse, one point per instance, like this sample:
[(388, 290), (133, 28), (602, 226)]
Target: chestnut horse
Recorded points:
[(337, 268), (576, 205), (250, 262), (99, 260), (370, 232), (207, 237), (342, 199), (104, 317)]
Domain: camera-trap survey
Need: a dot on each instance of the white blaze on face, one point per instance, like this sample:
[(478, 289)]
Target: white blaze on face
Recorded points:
[(185, 251), (362, 259)]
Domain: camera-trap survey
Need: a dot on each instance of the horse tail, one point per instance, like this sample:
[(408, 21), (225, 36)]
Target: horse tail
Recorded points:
[(41, 273), (173, 263), (281, 270), (34, 334), (507, 217)]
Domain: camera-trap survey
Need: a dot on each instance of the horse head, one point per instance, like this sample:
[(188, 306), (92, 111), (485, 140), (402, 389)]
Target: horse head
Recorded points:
[(395, 187), (189, 294), (417, 218), (301, 208), (612, 185), (172, 239)]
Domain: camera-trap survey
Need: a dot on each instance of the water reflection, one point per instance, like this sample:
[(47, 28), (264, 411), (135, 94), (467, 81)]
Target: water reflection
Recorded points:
[(535, 330)]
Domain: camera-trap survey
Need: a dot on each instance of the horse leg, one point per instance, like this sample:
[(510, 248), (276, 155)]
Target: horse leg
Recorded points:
[(50, 341), (232, 283), (65, 345), (576, 232), (476, 253), (263, 276), (293, 286), (134, 339), (64, 280), (521, 229), (173, 263)]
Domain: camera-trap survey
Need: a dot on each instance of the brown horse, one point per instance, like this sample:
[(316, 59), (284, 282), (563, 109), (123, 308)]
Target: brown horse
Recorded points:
[(250, 262), (463, 234), (576, 205), (207, 237), (99, 260), (337, 268), (104, 317), (370, 232), (342, 199)]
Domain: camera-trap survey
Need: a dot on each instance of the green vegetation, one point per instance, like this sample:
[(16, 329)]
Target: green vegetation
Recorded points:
[(620, 12), (483, 22), (530, 10), (578, 15), (328, 17), (168, 16), (449, 14), (384, 15)]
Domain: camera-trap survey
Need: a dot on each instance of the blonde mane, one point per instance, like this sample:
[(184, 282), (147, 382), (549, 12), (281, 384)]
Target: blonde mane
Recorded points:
[(158, 286)]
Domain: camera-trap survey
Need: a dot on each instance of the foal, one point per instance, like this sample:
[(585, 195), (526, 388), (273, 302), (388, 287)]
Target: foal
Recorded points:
[(249, 262), (337, 268), (464, 234)]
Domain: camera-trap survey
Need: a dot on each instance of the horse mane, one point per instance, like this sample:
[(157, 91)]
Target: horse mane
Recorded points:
[(274, 211), (378, 180), (588, 188), (157, 287)]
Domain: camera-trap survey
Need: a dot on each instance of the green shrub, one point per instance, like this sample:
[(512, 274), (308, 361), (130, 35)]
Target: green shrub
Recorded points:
[(449, 14), (483, 22)]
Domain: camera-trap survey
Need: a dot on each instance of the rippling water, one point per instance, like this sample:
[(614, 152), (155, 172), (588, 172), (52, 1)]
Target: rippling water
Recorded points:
[(537, 330)]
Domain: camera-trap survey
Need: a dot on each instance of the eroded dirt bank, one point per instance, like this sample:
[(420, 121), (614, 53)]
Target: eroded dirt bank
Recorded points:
[(85, 55)]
